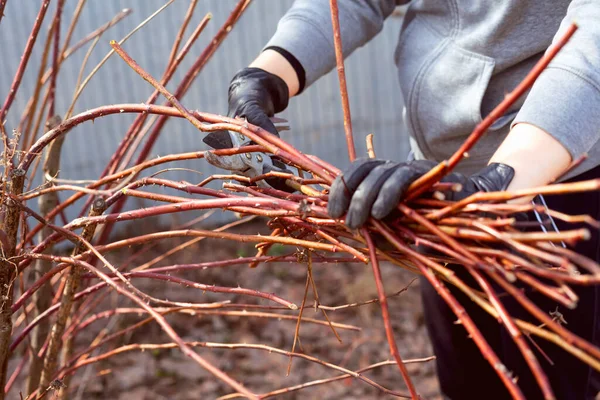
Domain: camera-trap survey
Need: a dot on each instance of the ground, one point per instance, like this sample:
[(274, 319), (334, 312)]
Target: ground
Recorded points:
[(167, 374)]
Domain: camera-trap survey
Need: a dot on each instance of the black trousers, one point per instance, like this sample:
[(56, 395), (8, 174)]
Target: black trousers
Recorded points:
[(464, 373)]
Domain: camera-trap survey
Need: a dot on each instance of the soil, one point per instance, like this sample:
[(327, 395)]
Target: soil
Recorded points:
[(167, 374)]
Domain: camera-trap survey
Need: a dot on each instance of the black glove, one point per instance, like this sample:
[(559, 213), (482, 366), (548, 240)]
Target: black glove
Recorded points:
[(257, 95), (371, 187)]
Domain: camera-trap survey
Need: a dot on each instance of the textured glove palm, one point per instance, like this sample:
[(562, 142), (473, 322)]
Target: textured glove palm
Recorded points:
[(372, 187)]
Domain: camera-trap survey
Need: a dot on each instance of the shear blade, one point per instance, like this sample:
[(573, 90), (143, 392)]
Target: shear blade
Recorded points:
[(233, 163), (219, 140)]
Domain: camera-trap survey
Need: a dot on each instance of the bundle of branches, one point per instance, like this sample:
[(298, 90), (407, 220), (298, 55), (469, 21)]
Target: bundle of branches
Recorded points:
[(478, 233)]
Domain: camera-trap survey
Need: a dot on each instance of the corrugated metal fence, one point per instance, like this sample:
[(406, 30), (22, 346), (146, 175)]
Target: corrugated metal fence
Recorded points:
[(315, 116)]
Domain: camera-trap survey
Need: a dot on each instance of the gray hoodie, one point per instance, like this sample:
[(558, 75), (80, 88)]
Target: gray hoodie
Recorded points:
[(457, 59)]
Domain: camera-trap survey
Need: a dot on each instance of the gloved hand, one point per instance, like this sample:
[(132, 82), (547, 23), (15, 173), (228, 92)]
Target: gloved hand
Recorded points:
[(372, 187), (256, 95)]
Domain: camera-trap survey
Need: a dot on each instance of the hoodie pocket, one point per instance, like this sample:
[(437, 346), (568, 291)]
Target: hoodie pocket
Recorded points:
[(445, 103)]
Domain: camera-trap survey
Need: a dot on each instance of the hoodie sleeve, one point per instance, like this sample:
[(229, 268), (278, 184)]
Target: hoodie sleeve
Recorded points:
[(565, 99), (305, 31)]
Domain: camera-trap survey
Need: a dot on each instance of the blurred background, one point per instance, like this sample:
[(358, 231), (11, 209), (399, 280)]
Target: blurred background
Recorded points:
[(315, 117)]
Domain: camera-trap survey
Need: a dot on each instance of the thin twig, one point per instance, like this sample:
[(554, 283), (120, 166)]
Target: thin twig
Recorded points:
[(297, 329), (2, 5), (110, 53), (389, 332), (339, 58), (141, 347), (14, 87), (328, 380), (370, 147), (363, 303)]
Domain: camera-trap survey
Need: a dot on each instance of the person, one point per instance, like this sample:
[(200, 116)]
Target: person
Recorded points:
[(456, 60)]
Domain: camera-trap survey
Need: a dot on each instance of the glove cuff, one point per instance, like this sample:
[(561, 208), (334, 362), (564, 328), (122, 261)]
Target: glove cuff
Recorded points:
[(495, 177), (300, 72), (271, 90)]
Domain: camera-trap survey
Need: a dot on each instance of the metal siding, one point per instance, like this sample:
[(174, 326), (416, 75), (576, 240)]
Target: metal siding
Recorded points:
[(315, 116)]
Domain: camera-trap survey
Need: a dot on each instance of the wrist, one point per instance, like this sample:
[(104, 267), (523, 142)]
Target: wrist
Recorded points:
[(275, 63), (537, 157), (300, 73)]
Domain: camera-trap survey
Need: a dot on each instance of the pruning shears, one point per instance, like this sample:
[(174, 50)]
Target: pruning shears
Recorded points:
[(250, 165)]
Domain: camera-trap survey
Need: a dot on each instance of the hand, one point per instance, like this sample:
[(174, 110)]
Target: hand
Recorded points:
[(372, 187), (257, 95)]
